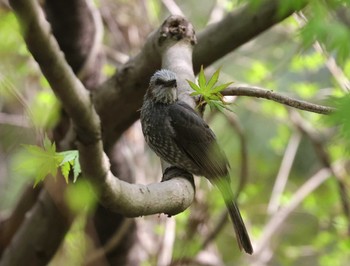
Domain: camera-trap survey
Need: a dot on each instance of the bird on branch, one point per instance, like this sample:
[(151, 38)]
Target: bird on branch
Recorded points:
[(179, 136)]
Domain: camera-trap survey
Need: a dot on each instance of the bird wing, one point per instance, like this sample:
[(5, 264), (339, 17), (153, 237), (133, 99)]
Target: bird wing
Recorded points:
[(192, 135)]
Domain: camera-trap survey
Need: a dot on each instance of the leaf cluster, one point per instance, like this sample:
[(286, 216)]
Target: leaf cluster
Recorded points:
[(208, 92)]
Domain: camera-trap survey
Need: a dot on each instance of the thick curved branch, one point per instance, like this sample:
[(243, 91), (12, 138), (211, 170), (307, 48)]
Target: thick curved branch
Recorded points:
[(275, 96), (237, 28), (170, 197), (76, 101)]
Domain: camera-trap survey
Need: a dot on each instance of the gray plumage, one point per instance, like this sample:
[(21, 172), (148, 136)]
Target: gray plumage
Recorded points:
[(176, 133)]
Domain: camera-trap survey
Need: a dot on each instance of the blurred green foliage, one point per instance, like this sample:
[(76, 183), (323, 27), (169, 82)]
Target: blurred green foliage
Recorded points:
[(281, 59)]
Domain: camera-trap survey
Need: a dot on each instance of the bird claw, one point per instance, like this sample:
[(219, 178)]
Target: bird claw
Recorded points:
[(173, 171)]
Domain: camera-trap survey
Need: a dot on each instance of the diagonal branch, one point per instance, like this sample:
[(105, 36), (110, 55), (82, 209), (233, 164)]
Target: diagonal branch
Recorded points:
[(237, 28), (257, 92)]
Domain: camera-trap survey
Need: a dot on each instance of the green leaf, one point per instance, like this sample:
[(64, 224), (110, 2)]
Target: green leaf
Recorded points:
[(76, 169), (221, 87), (65, 169), (214, 79), (219, 105), (194, 86), (46, 161), (43, 161), (48, 146), (209, 92), (69, 156), (71, 160), (201, 78)]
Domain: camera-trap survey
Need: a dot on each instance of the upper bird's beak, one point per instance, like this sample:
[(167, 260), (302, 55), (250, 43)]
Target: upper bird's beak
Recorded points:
[(170, 83)]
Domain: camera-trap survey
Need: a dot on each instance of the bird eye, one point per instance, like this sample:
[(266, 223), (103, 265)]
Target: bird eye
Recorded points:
[(159, 82)]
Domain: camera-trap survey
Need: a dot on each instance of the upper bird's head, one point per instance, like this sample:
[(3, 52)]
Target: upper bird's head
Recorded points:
[(162, 87)]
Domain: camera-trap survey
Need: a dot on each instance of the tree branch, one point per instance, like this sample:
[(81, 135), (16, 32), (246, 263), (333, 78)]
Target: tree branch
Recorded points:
[(237, 28), (131, 200), (170, 197), (253, 91)]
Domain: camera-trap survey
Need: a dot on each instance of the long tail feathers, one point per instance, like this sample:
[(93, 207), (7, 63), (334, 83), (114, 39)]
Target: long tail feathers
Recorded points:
[(238, 224), (242, 236)]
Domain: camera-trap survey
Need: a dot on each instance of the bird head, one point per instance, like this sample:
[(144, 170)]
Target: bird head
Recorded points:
[(163, 87)]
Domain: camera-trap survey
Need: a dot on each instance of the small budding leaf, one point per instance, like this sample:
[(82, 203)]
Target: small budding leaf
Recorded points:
[(210, 94)]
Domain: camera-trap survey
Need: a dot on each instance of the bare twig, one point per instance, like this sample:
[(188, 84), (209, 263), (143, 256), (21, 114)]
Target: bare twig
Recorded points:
[(253, 91), (283, 173)]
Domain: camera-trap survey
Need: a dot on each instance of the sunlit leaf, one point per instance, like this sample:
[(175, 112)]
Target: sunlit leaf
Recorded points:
[(44, 161), (221, 87), (76, 169), (214, 79), (69, 155), (209, 93), (194, 86), (65, 169), (201, 78)]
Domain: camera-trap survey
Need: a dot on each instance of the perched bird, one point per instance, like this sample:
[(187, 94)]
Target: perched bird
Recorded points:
[(178, 135)]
